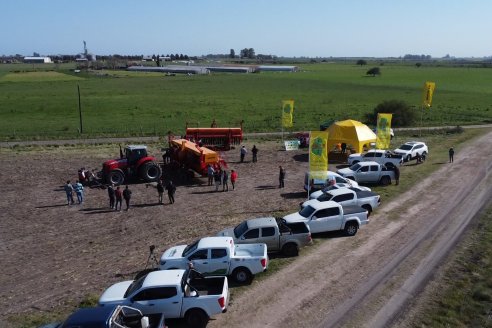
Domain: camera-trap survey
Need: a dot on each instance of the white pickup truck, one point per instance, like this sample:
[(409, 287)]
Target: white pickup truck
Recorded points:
[(278, 235), (176, 294), (368, 200), (384, 157), (318, 184), (218, 256), (368, 172), (330, 216)]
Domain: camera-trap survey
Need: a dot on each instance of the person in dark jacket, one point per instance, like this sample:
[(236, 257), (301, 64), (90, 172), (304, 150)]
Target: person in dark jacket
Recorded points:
[(160, 191), (281, 177), (171, 190), (254, 151), (451, 155), (127, 195), (397, 175), (111, 195)]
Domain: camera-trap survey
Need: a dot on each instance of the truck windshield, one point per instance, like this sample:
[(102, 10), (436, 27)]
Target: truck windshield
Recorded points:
[(190, 248), (355, 167), (306, 211), (136, 285), (240, 229)]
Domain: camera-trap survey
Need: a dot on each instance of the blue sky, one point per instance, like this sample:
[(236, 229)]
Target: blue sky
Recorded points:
[(316, 28)]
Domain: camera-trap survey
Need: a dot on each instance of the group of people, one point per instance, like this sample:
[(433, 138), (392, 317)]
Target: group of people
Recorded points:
[(70, 188), (220, 176), (243, 151), (116, 197)]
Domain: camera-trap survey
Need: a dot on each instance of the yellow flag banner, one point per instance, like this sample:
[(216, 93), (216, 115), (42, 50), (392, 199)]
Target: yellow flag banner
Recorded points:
[(318, 154), (383, 135), (287, 113), (428, 92)]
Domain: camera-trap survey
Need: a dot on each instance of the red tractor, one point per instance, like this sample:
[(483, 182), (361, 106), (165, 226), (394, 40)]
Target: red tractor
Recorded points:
[(135, 163)]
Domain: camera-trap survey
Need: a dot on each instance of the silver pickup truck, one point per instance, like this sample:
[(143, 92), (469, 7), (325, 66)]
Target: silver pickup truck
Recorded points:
[(278, 235)]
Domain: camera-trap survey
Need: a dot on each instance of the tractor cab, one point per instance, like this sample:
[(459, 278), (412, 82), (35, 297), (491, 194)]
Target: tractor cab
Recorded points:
[(134, 153)]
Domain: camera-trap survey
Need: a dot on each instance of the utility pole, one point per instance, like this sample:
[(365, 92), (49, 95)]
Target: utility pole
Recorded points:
[(80, 110)]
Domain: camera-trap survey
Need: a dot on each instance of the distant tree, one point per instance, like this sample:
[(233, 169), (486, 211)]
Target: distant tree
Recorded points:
[(418, 64), (361, 62), (232, 54), (176, 56), (186, 57), (244, 53), (172, 57), (153, 57), (251, 53), (157, 61), (35, 54), (181, 57), (403, 114), (374, 71)]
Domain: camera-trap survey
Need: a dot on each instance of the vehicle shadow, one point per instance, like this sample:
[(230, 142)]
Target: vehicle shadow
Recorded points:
[(441, 163), (301, 157), (206, 192), (294, 195), (329, 234), (342, 166)]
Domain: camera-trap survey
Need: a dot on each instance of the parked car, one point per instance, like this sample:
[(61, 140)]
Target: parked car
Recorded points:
[(176, 294), (346, 196), (218, 256), (318, 184), (318, 193), (380, 156), (409, 150), (330, 216), (115, 316), (278, 235), (368, 172)]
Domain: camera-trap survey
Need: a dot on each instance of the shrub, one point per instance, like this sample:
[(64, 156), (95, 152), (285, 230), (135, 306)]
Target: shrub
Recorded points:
[(403, 114)]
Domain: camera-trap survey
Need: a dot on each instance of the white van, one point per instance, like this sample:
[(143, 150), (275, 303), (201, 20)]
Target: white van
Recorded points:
[(318, 184)]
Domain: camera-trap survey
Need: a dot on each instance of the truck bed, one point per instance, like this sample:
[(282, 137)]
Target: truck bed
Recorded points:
[(347, 210), (364, 193), (209, 285), (249, 250)]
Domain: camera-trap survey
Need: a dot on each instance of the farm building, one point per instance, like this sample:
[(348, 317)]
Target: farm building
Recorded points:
[(38, 60), (230, 69), (171, 69), (274, 68)]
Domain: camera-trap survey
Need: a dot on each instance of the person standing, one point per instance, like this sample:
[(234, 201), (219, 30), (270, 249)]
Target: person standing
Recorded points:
[(79, 191), (451, 155), (217, 178), (127, 195), (210, 174), (171, 190), (111, 195), (233, 178), (344, 147), (397, 175), (69, 191), (160, 191), (281, 177), (225, 179), (242, 153), (254, 151), (119, 198)]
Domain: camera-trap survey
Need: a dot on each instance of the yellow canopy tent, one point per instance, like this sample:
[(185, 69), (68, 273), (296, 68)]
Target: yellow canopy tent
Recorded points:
[(353, 133)]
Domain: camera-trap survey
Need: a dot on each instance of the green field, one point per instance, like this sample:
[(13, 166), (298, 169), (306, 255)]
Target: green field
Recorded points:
[(45, 104)]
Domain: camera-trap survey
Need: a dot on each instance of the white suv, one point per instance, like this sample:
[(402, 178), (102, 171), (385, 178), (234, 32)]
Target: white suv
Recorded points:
[(409, 150)]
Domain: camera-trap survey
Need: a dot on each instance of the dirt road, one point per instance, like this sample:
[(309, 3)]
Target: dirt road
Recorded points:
[(364, 281)]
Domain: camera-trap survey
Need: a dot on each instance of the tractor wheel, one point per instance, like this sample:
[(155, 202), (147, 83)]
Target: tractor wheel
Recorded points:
[(150, 172), (116, 177)]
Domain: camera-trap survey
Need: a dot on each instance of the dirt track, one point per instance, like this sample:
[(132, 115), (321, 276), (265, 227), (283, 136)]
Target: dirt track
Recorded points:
[(54, 255)]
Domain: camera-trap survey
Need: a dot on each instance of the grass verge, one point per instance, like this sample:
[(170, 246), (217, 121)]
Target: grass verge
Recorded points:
[(464, 298)]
